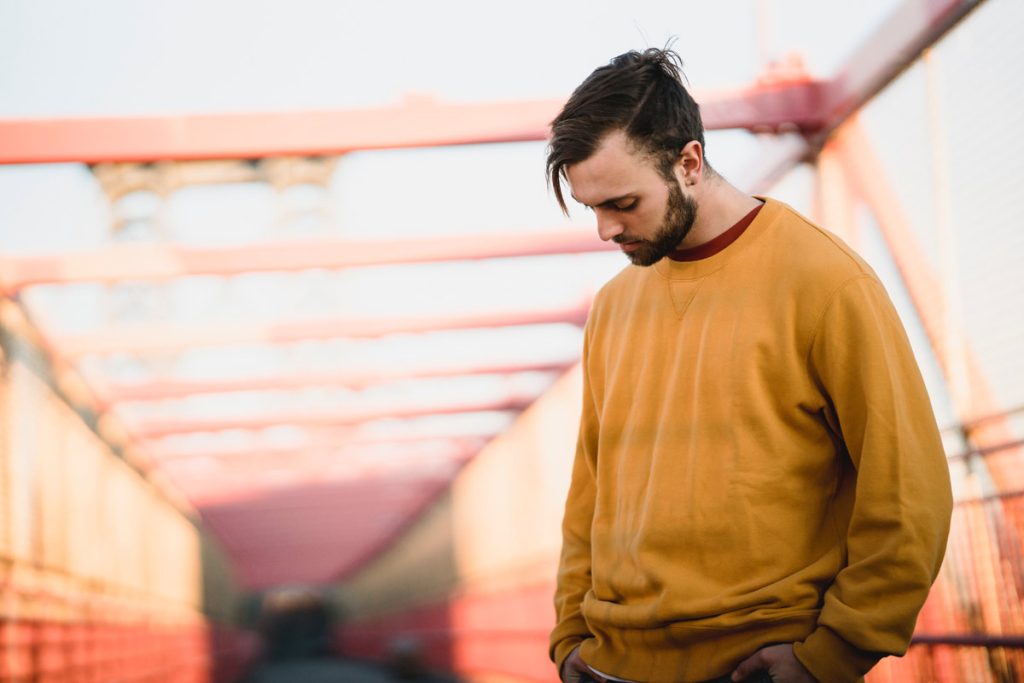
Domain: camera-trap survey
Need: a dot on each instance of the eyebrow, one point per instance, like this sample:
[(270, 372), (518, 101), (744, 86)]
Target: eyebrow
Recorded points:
[(608, 202)]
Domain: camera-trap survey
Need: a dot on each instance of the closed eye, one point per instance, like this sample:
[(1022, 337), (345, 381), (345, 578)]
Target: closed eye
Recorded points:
[(621, 204)]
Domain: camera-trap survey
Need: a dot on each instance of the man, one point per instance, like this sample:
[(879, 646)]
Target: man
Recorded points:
[(759, 490)]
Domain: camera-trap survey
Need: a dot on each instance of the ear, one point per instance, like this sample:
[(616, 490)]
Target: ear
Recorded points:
[(690, 164)]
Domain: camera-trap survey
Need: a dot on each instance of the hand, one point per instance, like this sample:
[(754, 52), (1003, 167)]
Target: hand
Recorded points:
[(574, 669), (780, 663)]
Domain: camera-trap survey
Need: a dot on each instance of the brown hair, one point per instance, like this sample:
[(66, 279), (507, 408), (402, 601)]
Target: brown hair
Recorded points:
[(639, 93)]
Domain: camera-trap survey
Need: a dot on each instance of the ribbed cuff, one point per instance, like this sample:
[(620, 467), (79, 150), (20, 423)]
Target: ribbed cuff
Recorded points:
[(830, 659)]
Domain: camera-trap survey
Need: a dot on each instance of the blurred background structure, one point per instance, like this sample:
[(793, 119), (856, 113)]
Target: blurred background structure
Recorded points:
[(289, 347)]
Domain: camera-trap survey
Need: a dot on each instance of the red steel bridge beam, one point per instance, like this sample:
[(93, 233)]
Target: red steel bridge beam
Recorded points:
[(142, 339), (899, 41), (155, 262), (319, 443), (154, 429), (312, 460), (166, 389), (419, 122)]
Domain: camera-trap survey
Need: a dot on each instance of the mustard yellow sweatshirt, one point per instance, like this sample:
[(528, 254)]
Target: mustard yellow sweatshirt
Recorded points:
[(758, 463)]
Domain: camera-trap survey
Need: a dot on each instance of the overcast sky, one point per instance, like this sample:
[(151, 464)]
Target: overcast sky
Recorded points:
[(59, 57)]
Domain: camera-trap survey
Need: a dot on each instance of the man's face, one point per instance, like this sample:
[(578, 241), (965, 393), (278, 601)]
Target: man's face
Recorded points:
[(636, 207)]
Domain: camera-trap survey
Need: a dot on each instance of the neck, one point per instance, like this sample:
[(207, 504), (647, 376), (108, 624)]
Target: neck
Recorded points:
[(719, 207)]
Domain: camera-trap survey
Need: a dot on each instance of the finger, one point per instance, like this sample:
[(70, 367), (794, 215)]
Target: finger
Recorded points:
[(754, 662)]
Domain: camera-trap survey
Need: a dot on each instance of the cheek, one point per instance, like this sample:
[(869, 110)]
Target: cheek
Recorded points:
[(648, 220)]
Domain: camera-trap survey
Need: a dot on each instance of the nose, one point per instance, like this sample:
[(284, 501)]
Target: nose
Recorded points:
[(608, 226)]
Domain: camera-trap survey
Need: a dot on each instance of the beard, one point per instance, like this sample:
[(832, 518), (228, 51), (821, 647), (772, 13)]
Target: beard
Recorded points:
[(680, 213)]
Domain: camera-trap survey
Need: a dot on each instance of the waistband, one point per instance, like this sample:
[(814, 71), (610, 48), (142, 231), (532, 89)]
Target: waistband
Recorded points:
[(677, 652), (758, 677)]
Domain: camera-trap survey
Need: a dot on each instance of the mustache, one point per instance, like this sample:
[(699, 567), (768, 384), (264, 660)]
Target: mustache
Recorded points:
[(624, 239)]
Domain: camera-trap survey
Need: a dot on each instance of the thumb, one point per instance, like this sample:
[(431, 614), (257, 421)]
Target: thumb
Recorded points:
[(750, 665)]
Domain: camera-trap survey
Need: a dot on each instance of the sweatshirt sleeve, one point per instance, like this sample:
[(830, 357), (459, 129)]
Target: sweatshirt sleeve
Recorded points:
[(900, 516), (574, 580)]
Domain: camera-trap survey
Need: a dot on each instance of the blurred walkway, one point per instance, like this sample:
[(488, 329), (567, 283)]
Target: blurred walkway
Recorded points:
[(332, 671)]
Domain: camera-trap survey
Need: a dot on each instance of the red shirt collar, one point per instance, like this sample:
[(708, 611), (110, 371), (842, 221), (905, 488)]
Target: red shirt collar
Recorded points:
[(712, 247)]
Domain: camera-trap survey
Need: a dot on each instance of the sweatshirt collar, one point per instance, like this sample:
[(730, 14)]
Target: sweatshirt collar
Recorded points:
[(687, 270)]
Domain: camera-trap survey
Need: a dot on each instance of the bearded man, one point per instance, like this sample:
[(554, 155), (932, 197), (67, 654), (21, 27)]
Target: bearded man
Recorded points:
[(759, 489)]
